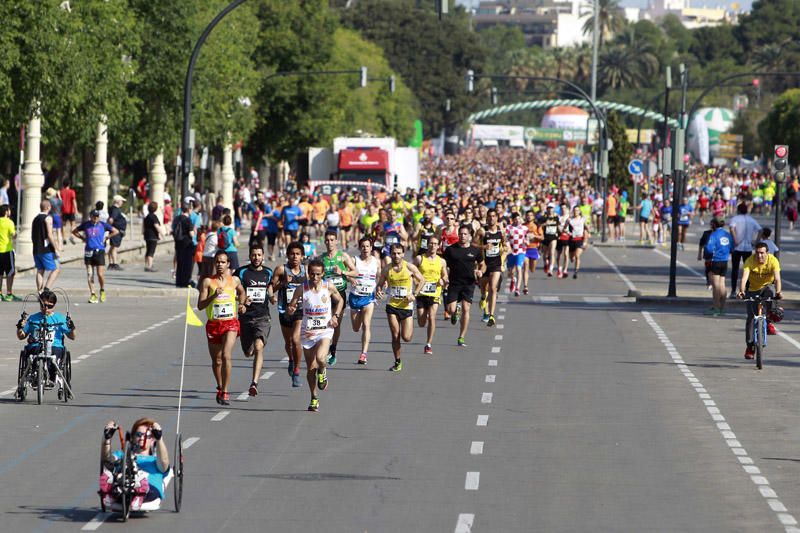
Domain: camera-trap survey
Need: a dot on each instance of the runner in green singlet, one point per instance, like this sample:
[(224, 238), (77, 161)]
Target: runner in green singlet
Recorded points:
[(334, 261)]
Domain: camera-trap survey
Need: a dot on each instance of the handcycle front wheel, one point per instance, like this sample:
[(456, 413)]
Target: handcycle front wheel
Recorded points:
[(125, 498), (22, 378), (40, 370), (67, 372), (178, 471)]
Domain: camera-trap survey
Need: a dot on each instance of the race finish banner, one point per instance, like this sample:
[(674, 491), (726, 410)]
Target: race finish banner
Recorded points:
[(554, 134)]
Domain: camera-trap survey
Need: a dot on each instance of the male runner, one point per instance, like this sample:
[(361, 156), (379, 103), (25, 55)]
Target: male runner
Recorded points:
[(397, 275), (363, 271), (335, 262), (320, 318), (93, 233), (434, 270), (517, 235), (535, 236), (287, 279), (493, 243), (465, 265), (550, 225), (223, 297), (255, 323)]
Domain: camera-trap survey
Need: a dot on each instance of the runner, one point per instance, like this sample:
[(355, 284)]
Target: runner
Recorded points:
[(255, 322), (335, 263), (392, 232), (534, 238), (550, 225), (363, 272), (562, 244), (464, 263), (93, 233), (494, 246), (517, 241), (223, 297), (287, 279), (434, 270), (397, 275), (578, 228), (320, 319)]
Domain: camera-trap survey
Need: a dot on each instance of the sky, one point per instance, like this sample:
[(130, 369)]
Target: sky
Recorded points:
[(745, 4)]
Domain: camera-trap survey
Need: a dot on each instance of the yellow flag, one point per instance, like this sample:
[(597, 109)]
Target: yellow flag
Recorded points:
[(191, 317)]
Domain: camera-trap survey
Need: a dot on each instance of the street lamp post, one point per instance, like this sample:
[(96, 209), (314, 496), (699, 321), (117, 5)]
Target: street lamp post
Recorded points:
[(677, 187)]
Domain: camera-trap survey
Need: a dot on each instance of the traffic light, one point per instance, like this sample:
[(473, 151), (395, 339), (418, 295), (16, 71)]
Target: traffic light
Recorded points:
[(781, 154)]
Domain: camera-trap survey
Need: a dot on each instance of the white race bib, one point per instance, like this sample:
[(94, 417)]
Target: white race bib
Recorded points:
[(316, 323), (550, 230), (290, 292), (423, 243), (429, 288), (398, 292), (364, 287), (222, 310), (493, 251), (257, 295)]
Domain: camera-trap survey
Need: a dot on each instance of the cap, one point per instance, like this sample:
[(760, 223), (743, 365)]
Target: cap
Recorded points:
[(118, 198), (551, 204), (94, 213), (188, 199)]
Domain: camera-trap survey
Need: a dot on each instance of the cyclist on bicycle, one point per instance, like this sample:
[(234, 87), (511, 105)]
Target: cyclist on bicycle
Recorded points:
[(58, 326), (152, 462), (761, 270)]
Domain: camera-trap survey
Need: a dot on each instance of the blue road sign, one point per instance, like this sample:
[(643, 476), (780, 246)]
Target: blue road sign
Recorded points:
[(635, 167)]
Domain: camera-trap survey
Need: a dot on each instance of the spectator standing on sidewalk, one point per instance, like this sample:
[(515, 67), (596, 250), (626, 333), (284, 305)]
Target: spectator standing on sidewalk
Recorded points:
[(55, 212), (8, 233), (151, 231), (183, 234), (118, 220), (718, 250), (744, 229), (69, 208), (45, 248)]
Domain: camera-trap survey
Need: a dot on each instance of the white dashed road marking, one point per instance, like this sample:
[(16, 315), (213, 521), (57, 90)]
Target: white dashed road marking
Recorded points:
[(464, 524), (95, 522), (473, 481), (495, 349), (490, 378), (189, 442), (219, 416), (547, 299), (483, 420), (492, 362), (486, 397), (476, 448)]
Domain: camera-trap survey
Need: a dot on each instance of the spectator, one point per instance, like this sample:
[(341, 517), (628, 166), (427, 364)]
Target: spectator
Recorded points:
[(8, 233), (69, 208), (183, 234), (117, 219), (151, 231)]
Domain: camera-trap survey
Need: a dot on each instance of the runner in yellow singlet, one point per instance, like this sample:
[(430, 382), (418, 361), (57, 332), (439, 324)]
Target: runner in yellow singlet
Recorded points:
[(398, 276), (434, 271), (223, 298)]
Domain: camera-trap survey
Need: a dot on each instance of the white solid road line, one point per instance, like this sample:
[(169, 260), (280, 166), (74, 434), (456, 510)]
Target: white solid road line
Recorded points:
[(188, 442), (473, 481), (747, 463), (616, 270), (680, 264), (96, 522), (464, 524), (7, 392), (219, 416), (476, 448)]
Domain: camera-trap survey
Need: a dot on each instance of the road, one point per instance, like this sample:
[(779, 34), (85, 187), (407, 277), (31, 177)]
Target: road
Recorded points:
[(581, 411)]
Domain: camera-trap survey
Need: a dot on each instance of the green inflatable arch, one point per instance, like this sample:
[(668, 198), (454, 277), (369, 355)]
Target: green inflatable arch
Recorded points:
[(546, 104)]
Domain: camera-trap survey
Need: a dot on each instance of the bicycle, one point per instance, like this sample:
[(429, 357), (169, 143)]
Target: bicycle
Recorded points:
[(759, 327), (33, 370)]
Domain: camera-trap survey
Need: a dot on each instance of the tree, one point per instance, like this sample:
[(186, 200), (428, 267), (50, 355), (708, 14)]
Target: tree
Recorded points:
[(677, 32), (611, 20), (622, 152), (617, 68), (500, 42), (780, 126), (713, 43)]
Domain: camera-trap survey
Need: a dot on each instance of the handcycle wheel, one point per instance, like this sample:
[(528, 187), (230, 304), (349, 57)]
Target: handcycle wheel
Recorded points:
[(178, 471), (67, 372), (125, 498), (22, 378), (39, 380)]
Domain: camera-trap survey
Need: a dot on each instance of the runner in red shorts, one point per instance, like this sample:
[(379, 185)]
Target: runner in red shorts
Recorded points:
[(223, 297)]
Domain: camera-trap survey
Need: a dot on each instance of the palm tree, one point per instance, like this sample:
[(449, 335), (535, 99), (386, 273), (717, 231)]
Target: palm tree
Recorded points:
[(564, 61), (612, 20), (582, 60), (642, 52), (771, 57), (617, 68), (530, 62)]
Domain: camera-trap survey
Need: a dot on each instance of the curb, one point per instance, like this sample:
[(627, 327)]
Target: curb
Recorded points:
[(122, 251), (699, 301), (623, 245)]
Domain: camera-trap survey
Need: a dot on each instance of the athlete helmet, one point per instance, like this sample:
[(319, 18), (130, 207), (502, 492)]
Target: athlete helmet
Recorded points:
[(775, 315)]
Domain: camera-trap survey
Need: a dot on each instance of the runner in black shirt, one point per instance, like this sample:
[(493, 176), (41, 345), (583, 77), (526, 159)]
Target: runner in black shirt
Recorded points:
[(465, 265), (255, 321)]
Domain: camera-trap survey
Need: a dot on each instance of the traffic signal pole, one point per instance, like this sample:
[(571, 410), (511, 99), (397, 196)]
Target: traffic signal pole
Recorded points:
[(779, 162)]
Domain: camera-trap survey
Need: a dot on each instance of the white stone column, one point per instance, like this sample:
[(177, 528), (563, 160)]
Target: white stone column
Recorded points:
[(227, 176), (158, 178), (101, 177), (32, 182), (216, 178)]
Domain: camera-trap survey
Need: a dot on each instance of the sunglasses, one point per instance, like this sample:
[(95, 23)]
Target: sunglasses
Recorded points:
[(139, 434), (48, 305)]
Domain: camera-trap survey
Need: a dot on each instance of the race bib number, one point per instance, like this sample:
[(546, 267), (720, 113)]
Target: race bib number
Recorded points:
[(423, 243), (398, 292), (257, 295), (49, 333), (684, 218), (88, 254), (337, 280), (392, 239), (316, 323), (290, 292), (493, 251), (221, 311), (365, 287), (550, 230), (429, 288)]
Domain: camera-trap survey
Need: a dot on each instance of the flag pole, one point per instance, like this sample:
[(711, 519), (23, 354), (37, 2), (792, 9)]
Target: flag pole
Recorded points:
[(183, 362)]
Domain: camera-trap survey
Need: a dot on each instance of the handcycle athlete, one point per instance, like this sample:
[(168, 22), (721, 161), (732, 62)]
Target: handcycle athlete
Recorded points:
[(135, 478), (51, 327)]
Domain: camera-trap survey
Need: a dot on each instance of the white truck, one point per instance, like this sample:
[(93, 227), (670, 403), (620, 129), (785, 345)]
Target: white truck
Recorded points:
[(363, 163)]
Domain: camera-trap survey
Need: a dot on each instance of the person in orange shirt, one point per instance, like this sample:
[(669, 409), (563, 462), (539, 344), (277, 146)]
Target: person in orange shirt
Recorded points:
[(611, 215), (320, 211), (307, 209), (534, 237), (346, 223)]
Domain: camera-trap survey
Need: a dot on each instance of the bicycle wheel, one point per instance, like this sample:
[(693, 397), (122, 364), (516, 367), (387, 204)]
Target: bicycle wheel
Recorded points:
[(125, 499), (39, 380), (67, 372), (22, 387), (178, 471)]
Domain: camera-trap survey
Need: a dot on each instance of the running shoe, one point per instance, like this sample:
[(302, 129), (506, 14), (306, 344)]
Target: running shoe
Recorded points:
[(516, 294), (712, 311), (771, 329), (550, 273), (513, 285), (93, 299), (749, 353), (291, 367), (5, 298), (485, 317), (362, 359), (397, 366), (102, 295), (575, 275), (457, 315), (296, 379), (314, 405), (491, 322), (253, 391), (322, 379), (226, 398), (483, 304), (525, 291), (331, 360), (462, 342), (428, 350), (219, 396)]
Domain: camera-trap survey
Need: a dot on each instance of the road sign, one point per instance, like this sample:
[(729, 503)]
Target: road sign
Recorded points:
[(635, 167)]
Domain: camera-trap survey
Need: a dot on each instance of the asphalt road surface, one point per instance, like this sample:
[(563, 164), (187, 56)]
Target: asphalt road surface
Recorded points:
[(580, 411)]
